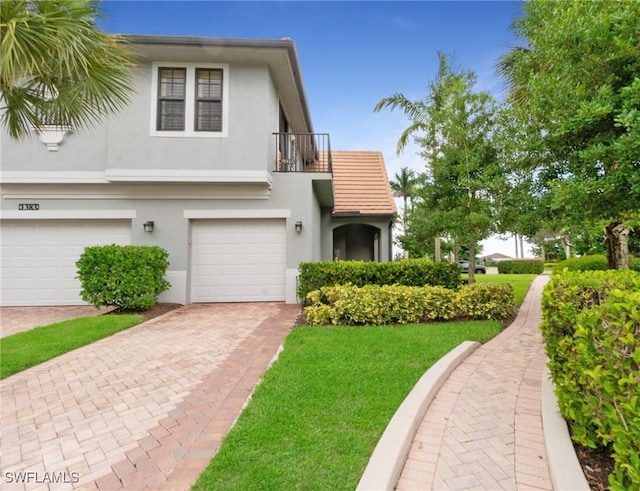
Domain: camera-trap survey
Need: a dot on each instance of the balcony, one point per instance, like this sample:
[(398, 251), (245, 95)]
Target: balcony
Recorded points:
[(303, 152)]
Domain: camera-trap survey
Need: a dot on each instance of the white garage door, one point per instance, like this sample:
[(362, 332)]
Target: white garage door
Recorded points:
[(238, 260), (38, 257)]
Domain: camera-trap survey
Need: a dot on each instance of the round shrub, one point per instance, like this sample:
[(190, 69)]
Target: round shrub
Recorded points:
[(128, 277)]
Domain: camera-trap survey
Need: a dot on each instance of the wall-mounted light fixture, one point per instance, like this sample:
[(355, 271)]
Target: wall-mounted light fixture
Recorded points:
[(148, 226), (298, 226)]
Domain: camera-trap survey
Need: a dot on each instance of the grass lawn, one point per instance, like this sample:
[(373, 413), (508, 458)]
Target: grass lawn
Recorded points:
[(316, 417), (29, 348), (520, 282), (322, 407)]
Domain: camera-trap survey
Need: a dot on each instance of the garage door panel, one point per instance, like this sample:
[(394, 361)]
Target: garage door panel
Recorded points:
[(38, 257), (238, 260)]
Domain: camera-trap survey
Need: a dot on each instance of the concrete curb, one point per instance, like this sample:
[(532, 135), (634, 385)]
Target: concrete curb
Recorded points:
[(564, 467), (390, 454)]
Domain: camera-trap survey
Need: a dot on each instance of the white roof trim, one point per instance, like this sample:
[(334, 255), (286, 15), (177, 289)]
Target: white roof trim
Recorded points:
[(137, 175), (47, 177), (231, 214), (177, 175), (68, 215)]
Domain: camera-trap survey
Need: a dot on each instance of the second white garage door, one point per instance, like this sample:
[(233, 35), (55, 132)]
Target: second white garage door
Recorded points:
[(238, 260)]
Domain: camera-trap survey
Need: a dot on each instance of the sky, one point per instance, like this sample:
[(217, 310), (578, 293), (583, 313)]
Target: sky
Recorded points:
[(352, 55)]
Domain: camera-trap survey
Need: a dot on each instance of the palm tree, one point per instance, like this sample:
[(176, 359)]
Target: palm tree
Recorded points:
[(403, 185), (57, 67)]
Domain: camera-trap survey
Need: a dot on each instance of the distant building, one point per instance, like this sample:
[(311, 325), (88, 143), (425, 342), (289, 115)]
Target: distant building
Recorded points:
[(496, 257)]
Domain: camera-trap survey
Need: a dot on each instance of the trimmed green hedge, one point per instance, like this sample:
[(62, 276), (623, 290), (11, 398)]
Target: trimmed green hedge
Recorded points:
[(634, 264), (521, 266), (591, 328), (129, 277), (410, 272), (595, 262), (399, 304)]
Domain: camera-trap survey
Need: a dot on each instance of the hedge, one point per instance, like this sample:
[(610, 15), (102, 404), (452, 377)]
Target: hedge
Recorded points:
[(128, 277), (591, 328), (410, 272), (521, 266), (595, 262), (399, 304)]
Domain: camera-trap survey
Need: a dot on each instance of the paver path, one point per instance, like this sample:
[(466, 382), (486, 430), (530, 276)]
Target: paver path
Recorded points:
[(143, 409), (484, 428)]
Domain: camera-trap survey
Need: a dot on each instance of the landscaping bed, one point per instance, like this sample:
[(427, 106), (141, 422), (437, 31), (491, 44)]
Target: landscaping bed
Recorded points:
[(596, 464)]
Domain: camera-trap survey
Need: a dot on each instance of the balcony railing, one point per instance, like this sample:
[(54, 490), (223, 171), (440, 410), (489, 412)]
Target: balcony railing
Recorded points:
[(303, 152)]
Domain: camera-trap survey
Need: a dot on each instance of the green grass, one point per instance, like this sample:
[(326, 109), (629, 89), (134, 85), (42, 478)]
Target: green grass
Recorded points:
[(520, 282), (322, 407), (29, 348)]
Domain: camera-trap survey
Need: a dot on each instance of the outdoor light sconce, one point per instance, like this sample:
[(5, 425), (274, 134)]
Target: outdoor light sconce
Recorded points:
[(148, 226), (298, 227)]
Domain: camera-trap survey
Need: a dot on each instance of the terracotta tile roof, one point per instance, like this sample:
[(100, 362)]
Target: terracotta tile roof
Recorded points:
[(361, 184)]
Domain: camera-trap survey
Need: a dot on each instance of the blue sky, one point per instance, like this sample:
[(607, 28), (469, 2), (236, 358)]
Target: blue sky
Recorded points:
[(352, 54)]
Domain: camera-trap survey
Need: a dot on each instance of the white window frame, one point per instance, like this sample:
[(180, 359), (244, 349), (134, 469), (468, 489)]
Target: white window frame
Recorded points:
[(190, 100)]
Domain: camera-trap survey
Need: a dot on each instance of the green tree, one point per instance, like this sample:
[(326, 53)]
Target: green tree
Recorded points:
[(403, 185), (453, 126), (57, 67), (576, 77)]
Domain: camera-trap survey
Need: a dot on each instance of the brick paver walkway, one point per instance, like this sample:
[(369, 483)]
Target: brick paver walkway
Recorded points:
[(143, 409), (484, 428)]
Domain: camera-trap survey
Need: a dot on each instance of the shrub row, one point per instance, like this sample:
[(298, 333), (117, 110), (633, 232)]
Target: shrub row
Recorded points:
[(410, 272), (596, 262), (591, 328), (129, 277), (634, 264), (521, 266), (399, 304)]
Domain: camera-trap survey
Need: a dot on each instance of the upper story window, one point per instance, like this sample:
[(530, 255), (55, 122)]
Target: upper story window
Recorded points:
[(208, 100), (189, 99), (171, 99)]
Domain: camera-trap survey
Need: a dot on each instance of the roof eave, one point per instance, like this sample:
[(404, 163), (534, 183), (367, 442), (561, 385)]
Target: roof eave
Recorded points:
[(247, 45)]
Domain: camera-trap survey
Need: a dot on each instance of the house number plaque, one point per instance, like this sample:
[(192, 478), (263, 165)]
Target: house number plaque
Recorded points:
[(28, 206)]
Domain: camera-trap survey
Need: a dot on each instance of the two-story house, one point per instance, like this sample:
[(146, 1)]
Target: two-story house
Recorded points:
[(215, 160)]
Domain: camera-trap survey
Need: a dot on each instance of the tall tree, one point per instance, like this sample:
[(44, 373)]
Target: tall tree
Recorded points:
[(576, 76), (453, 126), (403, 186), (57, 67)]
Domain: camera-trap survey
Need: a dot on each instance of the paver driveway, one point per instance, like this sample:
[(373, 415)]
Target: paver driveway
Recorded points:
[(143, 409)]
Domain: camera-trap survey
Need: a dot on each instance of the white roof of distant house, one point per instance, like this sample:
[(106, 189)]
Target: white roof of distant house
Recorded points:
[(496, 256)]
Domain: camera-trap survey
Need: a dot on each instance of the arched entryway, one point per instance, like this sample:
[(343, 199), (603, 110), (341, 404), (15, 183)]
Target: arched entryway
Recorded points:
[(358, 242)]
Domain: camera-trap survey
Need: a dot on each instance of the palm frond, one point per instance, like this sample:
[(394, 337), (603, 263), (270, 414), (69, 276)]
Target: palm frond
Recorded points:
[(56, 65)]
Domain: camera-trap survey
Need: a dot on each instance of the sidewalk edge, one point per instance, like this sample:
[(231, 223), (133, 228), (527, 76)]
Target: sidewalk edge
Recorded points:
[(564, 467), (388, 458)]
